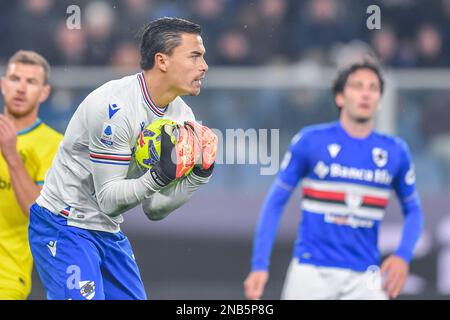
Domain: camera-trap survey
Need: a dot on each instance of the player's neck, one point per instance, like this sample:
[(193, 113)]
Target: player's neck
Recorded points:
[(357, 129), (160, 93), (25, 122)]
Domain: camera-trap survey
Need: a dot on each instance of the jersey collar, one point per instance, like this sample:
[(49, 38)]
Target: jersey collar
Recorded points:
[(159, 112), (346, 134), (29, 129)]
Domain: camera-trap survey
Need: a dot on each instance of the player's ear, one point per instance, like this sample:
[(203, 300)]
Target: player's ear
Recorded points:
[(161, 61), (339, 100), (45, 93)]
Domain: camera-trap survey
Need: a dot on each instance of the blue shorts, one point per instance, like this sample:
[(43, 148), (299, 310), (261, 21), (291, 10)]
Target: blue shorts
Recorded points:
[(79, 264)]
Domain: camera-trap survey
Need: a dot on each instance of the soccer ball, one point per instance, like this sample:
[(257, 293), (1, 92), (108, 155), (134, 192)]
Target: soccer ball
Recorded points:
[(148, 145)]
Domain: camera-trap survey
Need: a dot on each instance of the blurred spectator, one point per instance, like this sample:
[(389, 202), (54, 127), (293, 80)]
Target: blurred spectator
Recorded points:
[(99, 22), (322, 24), (126, 56), (429, 47), (71, 46), (134, 14), (273, 33), (212, 17), (233, 48), (32, 25), (258, 32), (390, 50)]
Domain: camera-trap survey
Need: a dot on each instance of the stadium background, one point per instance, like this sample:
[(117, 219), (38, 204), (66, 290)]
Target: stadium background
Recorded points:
[(271, 65)]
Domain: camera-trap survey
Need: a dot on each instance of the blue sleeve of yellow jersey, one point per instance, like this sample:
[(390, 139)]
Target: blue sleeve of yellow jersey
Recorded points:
[(405, 188), (292, 169)]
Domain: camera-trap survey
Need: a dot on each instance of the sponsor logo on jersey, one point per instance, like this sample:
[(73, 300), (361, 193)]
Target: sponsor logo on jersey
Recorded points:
[(321, 170), (380, 157), (108, 133), (334, 149), (350, 221), (336, 170), (87, 289), (112, 110)]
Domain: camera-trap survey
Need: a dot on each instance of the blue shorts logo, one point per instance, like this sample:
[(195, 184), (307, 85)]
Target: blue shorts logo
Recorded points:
[(87, 289)]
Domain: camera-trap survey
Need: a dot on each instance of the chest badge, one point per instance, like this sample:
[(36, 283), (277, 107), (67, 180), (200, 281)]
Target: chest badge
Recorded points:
[(380, 157)]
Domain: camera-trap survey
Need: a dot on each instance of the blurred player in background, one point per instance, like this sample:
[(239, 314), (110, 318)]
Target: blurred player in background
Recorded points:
[(75, 235), (27, 148), (347, 171)]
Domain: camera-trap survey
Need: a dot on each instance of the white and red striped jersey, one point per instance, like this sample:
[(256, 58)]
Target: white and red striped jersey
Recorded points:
[(87, 181)]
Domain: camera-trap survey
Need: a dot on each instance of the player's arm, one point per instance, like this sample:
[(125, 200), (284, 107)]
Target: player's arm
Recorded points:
[(162, 203), (110, 143), (292, 170), (24, 187), (396, 267), (176, 194)]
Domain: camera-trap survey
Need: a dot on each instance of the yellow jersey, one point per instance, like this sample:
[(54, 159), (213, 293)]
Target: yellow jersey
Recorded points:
[(37, 146)]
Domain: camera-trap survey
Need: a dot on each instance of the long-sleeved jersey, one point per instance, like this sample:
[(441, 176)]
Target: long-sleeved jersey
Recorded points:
[(346, 184), (91, 181)]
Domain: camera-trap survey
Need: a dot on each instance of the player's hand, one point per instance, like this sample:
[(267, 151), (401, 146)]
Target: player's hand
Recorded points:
[(394, 271), (8, 138), (207, 140), (255, 283), (178, 154)]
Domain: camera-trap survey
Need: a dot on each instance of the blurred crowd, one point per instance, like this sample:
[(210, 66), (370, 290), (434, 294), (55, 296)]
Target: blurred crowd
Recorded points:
[(414, 33)]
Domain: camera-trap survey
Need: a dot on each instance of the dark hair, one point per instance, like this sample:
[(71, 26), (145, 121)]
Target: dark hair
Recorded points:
[(342, 77), (163, 35)]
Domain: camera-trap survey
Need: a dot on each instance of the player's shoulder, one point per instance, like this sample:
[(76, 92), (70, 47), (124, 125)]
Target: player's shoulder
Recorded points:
[(114, 91), (119, 86), (112, 101), (40, 131), (50, 133), (391, 141), (42, 138), (315, 131)]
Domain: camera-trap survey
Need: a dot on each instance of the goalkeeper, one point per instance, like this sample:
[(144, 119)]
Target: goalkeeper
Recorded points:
[(74, 231)]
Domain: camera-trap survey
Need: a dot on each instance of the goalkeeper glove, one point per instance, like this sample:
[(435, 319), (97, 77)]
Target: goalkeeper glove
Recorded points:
[(208, 145), (178, 154)]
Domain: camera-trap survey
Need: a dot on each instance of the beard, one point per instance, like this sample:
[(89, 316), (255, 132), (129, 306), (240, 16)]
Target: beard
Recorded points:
[(20, 112)]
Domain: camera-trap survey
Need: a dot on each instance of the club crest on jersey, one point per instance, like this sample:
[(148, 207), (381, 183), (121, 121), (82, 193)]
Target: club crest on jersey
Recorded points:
[(112, 110), (334, 149), (108, 133), (380, 157), (87, 289)]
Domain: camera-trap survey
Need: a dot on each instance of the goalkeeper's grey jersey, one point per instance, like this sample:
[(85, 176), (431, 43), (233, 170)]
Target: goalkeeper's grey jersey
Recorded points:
[(86, 182)]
